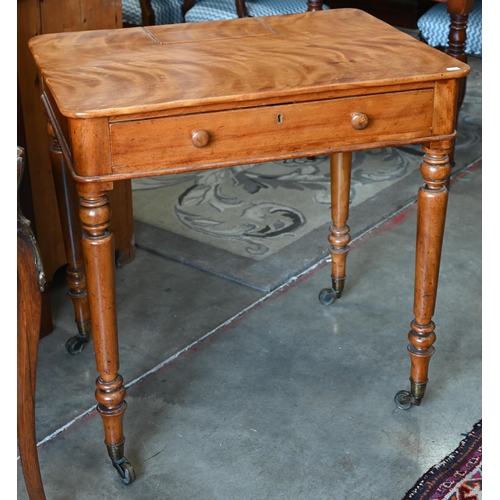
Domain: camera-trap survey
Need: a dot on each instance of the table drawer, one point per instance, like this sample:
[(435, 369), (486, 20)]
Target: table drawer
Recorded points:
[(253, 134)]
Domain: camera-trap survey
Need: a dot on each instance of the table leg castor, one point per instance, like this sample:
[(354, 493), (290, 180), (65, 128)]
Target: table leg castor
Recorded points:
[(76, 344), (403, 400), (327, 296), (125, 470), (406, 399)]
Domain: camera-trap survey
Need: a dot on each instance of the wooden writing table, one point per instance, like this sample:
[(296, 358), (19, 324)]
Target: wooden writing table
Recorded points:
[(139, 102)]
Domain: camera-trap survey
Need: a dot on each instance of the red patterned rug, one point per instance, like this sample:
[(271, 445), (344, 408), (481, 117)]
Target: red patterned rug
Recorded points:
[(457, 477)]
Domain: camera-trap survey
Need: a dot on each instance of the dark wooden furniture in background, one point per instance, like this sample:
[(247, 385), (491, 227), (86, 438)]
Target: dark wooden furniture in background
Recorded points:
[(320, 90), (459, 11), (38, 194), (30, 284)]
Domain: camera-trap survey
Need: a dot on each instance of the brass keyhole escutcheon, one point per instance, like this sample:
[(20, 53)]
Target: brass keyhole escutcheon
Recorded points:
[(280, 118)]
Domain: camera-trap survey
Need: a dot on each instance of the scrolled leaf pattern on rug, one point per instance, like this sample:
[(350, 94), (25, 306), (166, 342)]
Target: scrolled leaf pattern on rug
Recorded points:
[(255, 210)]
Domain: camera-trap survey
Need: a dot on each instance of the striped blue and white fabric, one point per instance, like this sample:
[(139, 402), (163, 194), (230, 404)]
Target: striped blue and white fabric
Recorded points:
[(434, 27), (210, 10), (169, 11), (257, 8), (166, 11)]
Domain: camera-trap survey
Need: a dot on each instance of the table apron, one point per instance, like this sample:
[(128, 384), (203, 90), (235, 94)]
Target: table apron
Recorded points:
[(258, 134)]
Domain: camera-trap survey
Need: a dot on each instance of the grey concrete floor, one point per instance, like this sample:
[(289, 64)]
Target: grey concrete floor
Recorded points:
[(234, 394)]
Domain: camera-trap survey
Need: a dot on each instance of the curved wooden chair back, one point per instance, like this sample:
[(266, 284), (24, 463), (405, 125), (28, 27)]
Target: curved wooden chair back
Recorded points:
[(30, 284)]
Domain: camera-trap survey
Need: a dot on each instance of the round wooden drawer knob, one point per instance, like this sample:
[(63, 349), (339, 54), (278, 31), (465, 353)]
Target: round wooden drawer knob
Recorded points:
[(359, 121), (200, 138)]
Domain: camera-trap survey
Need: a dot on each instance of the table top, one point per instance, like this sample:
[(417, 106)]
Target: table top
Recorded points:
[(138, 70)]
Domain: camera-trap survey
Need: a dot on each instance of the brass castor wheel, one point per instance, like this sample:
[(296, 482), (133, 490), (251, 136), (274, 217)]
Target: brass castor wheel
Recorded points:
[(125, 470), (404, 400), (75, 345), (327, 296)]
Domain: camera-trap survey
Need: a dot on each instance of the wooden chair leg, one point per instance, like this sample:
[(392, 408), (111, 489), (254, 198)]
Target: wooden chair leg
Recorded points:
[(30, 284), (459, 11), (314, 5)]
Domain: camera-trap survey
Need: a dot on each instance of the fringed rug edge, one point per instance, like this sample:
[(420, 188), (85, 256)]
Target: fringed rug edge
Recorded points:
[(471, 449)]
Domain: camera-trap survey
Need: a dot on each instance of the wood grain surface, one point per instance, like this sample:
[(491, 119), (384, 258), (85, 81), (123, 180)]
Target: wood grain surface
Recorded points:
[(125, 71)]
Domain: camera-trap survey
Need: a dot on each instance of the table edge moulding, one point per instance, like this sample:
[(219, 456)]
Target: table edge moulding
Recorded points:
[(139, 102)]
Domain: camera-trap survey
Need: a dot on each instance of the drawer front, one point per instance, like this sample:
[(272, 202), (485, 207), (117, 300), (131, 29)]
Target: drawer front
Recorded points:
[(256, 134)]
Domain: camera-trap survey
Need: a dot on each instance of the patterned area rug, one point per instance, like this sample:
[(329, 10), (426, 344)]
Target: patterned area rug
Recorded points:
[(260, 224), (457, 477)]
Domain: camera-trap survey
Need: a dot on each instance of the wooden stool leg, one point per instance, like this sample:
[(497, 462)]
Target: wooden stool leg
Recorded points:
[(98, 253), (339, 238), (432, 203), (68, 204)]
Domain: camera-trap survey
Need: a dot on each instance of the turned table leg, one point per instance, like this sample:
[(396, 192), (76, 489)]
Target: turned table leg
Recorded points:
[(432, 202), (98, 255), (67, 201), (339, 238)]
